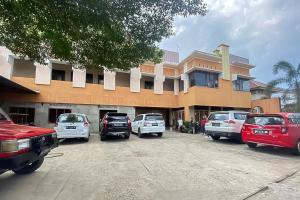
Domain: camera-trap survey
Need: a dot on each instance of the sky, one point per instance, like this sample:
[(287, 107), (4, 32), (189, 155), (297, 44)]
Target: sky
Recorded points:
[(264, 31)]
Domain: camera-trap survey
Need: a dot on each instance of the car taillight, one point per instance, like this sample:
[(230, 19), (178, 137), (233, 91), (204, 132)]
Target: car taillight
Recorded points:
[(284, 129), (230, 121), (86, 124), (105, 123), (129, 123), (10, 146)]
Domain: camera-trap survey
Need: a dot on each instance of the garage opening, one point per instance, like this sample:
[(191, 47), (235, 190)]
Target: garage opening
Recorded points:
[(164, 111)]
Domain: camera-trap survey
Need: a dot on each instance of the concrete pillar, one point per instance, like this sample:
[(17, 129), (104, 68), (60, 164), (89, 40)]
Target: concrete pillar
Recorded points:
[(185, 78), (109, 80), (224, 50), (188, 113), (176, 86), (135, 79), (43, 73), (79, 77), (159, 79), (6, 62)]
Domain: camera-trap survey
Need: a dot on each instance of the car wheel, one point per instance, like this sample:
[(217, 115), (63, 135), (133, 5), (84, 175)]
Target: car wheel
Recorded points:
[(30, 168), (296, 149), (86, 139), (252, 145), (159, 134), (140, 133), (102, 138), (215, 137), (127, 137)]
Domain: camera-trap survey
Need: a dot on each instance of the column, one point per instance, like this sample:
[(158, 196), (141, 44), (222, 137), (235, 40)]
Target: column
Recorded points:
[(185, 78), (224, 49), (109, 80), (43, 73), (135, 79), (176, 86), (6, 62), (159, 79), (79, 77)]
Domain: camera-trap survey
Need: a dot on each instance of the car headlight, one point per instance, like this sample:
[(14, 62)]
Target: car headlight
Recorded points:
[(7, 146)]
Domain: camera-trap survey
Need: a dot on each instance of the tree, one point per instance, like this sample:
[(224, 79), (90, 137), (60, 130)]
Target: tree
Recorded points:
[(291, 79), (91, 33)]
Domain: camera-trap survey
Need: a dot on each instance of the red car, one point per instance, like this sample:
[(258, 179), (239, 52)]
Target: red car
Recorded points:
[(280, 130), (23, 148)]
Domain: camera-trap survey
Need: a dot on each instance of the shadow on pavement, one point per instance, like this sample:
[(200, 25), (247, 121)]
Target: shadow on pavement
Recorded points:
[(71, 141), (277, 151)]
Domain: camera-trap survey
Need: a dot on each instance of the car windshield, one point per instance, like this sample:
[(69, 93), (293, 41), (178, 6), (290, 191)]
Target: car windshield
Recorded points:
[(294, 118), (219, 116), (154, 117), (265, 120), (67, 118), (3, 116), (240, 116)]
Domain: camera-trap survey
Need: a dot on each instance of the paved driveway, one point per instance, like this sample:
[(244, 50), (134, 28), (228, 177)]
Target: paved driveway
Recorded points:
[(176, 166)]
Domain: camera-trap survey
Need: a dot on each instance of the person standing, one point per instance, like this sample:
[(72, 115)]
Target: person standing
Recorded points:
[(180, 124), (202, 124), (192, 125)]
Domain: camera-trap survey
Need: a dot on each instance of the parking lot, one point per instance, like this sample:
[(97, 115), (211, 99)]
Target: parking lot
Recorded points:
[(176, 166)]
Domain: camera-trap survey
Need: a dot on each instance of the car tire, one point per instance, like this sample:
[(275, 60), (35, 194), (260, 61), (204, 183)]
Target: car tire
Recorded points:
[(102, 138), (127, 137), (140, 133), (86, 139), (296, 149), (215, 137), (159, 134), (251, 145), (30, 168)]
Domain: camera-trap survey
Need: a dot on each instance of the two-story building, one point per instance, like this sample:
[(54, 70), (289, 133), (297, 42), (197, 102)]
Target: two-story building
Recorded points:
[(200, 83)]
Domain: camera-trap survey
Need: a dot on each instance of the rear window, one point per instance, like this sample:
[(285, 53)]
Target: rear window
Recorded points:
[(154, 117), (70, 118), (116, 118), (240, 116), (294, 119), (219, 116), (265, 120)]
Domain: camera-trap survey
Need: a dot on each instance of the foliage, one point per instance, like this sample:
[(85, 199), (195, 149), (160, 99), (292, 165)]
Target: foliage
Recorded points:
[(92, 33), (291, 78)]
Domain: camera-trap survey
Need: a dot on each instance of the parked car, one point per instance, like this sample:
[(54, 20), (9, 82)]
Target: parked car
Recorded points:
[(115, 124), (23, 148), (225, 124), (148, 124), (281, 130), (73, 125)]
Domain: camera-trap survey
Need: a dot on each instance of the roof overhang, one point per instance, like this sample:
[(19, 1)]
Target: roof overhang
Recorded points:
[(202, 55), (244, 65), (235, 76), (195, 68), (7, 85)]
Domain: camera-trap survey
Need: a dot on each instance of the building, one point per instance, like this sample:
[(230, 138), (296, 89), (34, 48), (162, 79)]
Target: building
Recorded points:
[(200, 83), (260, 103)]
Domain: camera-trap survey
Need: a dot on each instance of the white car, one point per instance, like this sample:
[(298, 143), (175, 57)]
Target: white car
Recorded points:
[(225, 124), (148, 124), (72, 125)]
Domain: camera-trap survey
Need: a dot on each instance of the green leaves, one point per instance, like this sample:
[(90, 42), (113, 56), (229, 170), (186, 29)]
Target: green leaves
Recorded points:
[(91, 33), (291, 79)]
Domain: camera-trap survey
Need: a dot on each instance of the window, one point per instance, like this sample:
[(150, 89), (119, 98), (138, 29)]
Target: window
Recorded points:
[(181, 85), (71, 118), (240, 116), (100, 79), (22, 115), (154, 117), (265, 120), (58, 75), (219, 116), (54, 114), (206, 79), (89, 78), (149, 84), (241, 84)]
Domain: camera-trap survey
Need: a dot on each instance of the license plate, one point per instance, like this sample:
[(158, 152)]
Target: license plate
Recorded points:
[(71, 127), (215, 124), (118, 125), (261, 131), (155, 124)]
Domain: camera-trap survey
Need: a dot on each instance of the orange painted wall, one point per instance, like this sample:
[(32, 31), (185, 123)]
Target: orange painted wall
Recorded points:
[(268, 105), (222, 96), (63, 92), (169, 72), (147, 68), (239, 70)]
